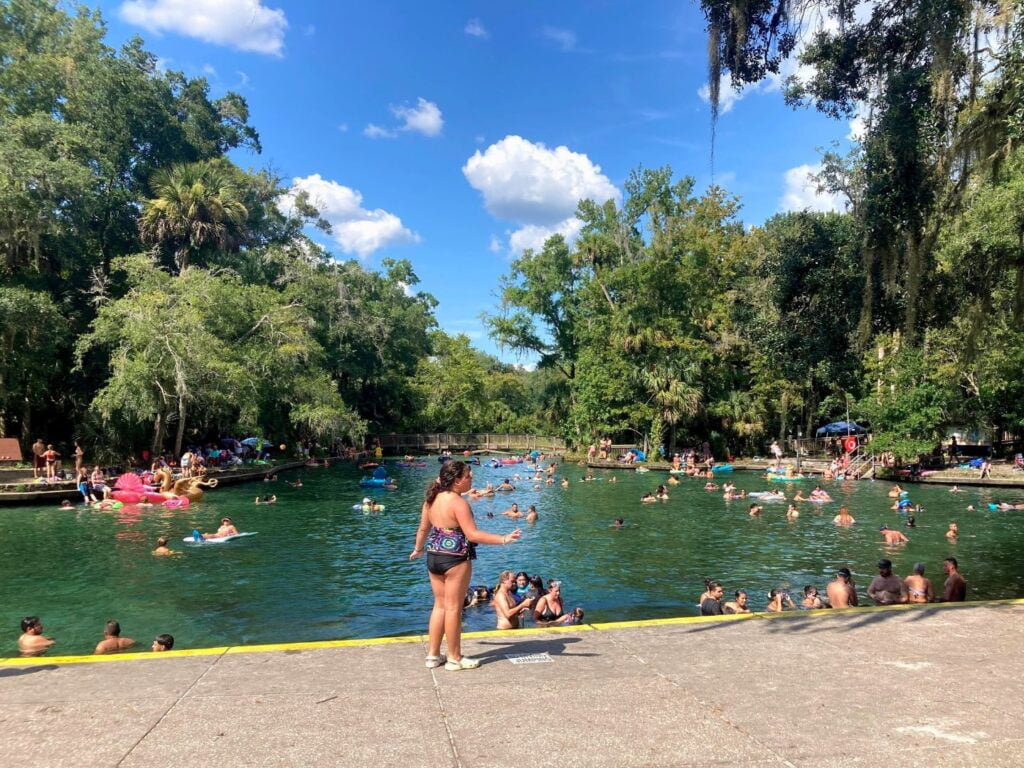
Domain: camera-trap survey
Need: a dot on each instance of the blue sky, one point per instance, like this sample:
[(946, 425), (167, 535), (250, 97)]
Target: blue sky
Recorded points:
[(454, 133)]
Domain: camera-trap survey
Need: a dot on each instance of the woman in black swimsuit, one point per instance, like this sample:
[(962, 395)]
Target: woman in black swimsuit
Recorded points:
[(449, 535), (549, 609)]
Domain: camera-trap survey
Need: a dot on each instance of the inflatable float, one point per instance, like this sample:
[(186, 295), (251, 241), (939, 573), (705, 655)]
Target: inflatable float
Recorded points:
[(220, 539), (722, 468), (369, 508), (785, 478)]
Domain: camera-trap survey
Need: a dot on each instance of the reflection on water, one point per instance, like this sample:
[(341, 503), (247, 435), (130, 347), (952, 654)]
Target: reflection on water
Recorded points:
[(320, 570)]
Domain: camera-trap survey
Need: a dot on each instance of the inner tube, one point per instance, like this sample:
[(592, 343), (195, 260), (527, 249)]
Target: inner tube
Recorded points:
[(722, 468), (784, 479), (107, 504), (368, 508), (373, 482)]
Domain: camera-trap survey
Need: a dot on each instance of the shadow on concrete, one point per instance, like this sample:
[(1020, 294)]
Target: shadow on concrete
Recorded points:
[(18, 671), (816, 623), (555, 646)]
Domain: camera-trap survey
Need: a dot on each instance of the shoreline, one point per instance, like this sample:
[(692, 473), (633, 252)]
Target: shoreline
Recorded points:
[(603, 626)]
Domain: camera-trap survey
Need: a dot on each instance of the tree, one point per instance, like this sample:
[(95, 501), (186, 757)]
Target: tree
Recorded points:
[(196, 209)]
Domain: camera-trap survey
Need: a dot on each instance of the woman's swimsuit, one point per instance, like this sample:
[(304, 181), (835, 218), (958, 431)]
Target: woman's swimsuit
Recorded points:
[(548, 614), (447, 548)]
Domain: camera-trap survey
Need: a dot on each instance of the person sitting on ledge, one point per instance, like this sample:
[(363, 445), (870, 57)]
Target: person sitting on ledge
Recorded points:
[(112, 641)]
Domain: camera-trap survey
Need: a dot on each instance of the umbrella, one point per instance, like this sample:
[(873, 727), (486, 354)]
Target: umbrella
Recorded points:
[(253, 441), (841, 428)]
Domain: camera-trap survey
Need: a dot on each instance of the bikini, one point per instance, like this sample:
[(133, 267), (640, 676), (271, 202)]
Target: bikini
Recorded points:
[(447, 548)]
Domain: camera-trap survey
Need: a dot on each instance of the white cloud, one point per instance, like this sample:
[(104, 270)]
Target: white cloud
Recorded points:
[(526, 182), (377, 132), (802, 193), (533, 236), (495, 245), (564, 38), (424, 118), (247, 25), (475, 28), (536, 187), (354, 228)]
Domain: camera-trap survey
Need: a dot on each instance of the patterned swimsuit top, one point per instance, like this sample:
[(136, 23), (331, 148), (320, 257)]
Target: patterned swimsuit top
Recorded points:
[(450, 541)]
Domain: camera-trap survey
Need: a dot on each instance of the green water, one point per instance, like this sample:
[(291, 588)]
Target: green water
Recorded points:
[(320, 570)]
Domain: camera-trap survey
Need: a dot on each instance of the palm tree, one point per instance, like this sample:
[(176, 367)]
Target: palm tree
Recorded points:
[(196, 207)]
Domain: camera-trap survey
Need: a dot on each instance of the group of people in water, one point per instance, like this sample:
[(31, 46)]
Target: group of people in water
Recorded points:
[(886, 588), (32, 641)]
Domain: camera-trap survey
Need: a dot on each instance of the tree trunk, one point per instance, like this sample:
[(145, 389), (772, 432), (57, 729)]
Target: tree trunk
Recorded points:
[(158, 435), (182, 409)]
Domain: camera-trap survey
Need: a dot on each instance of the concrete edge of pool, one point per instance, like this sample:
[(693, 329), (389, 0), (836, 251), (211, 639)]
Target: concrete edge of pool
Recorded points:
[(18, 661)]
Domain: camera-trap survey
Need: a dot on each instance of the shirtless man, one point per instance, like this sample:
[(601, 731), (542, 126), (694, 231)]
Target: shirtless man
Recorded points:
[(38, 462), (919, 589), (892, 536), (953, 532), (162, 549), (112, 641), (792, 513), (955, 588), (513, 511), (887, 588), (32, 642), (755, 510), (844, 517), (842, 592), (227, 528)]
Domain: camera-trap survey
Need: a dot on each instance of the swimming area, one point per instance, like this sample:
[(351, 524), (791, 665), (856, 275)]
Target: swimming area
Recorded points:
[(319, 570)]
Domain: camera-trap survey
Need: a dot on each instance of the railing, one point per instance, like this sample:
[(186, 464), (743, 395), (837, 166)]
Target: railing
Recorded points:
[(469, 441)]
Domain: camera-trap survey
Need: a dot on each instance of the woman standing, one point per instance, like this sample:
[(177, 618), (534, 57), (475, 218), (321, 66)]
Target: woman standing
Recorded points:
[(450, 534), (79, 458)]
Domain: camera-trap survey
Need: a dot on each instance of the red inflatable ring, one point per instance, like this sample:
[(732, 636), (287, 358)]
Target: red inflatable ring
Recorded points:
[(850, 444)]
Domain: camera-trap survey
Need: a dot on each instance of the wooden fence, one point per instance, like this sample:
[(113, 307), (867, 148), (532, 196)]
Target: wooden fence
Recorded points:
[(468, 441)]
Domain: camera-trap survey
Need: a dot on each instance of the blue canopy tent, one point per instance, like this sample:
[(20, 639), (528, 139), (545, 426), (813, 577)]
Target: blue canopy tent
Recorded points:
[(840, 428)]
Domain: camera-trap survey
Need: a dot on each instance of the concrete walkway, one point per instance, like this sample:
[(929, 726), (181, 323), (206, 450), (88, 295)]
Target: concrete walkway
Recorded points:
[(929, 686)]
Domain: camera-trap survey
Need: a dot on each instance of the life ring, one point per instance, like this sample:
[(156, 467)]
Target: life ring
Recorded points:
[(850, 444)]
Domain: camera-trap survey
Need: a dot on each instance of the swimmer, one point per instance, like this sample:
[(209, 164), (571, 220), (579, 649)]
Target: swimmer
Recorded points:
[(550, 610), (32, 642), (739, 605), (477, 595), (162, 643), (227, 528), (513, 511), (661, 493), (892, 536), (266, 500), (755, 510), (895, 491), (728, 487), (296, 484), (505, 486), (619, 524), (919, 589), (672, 480), (162, 548), (799, 496), (955, 489), (549, 481), (505, 606), (112, 641), (844, 517), (710, 487), (65, 505), (648, 498), (792, 513), (811, 601), (531, 514), (842, 592), (911, 521), (613, 479), (779, 601), (565, 482), (953, 532)]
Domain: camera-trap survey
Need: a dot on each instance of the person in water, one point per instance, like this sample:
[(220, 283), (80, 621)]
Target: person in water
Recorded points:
[(66, 504), (892, 536), (738, 604), (648, 498), (887, 588), (755, 510), (792, 513), (955, 588), (448, 533), (32, 642), (112, 641), (549, 610), (619, 524), (661, 493), (478, 595), (267, 500), (162, 548), (779, 601), (506, 607), (919, 589), (296, 484), (842, 592), (531, 514), (506, 485), (953, 532), (711, 600), (812, 601), (844, 517), (162, 643), (227, 528), (513, 511)]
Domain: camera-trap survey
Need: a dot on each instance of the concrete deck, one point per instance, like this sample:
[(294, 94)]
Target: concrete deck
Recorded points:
[(925, 686)]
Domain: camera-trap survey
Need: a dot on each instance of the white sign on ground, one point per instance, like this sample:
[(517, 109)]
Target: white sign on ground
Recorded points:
[(529, 658)]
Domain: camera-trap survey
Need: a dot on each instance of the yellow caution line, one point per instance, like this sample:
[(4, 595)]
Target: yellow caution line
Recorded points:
[(406, 639)]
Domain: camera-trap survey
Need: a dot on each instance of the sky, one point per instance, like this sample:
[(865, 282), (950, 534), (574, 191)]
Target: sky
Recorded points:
[(455, 134)]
